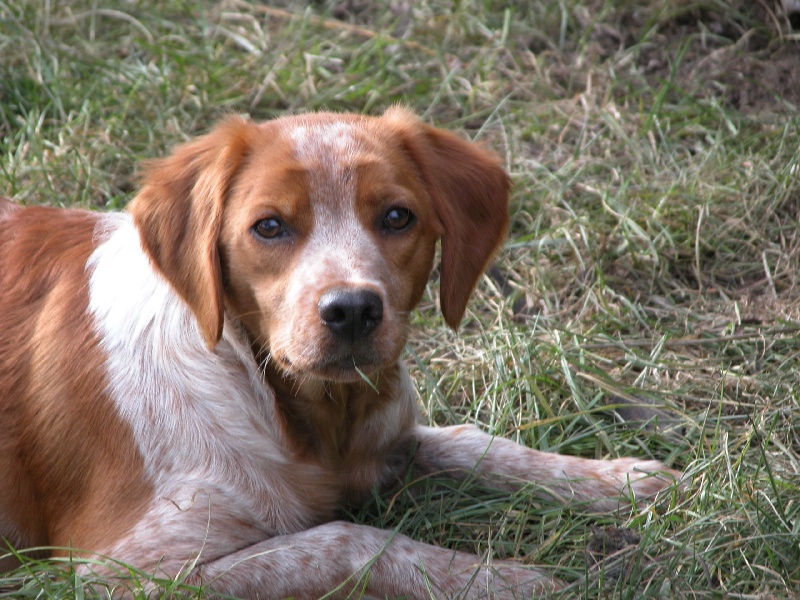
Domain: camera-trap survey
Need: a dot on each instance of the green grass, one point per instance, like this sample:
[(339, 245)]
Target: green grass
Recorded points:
[(653, 253)]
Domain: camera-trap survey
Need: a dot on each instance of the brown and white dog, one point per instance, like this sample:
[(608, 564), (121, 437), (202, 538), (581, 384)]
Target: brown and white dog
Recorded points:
[(182, 385)]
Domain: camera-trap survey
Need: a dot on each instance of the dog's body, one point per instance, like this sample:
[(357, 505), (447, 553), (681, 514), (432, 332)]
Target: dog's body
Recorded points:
[(198, 384)]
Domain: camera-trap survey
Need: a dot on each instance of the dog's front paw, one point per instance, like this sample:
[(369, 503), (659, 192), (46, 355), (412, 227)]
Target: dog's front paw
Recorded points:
[(502, 580), (633, 478)]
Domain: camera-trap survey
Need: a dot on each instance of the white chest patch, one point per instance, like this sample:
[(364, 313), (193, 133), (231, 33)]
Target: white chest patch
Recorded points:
[(202, 420)]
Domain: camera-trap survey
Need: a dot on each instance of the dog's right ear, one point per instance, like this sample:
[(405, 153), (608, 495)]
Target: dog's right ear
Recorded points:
[(179, 214)]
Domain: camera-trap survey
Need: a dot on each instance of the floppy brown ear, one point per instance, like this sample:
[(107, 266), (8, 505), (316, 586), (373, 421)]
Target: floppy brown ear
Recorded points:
[(469, 190), (179, 214)]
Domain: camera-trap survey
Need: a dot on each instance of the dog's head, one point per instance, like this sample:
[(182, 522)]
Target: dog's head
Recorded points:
[(318, 232)]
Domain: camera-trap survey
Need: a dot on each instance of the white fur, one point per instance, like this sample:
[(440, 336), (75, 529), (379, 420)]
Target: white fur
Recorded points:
[(200, 418)]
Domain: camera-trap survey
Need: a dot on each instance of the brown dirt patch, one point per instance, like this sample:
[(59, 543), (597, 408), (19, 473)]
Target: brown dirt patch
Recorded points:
[(743, 57), (743, 54), (751, 82)]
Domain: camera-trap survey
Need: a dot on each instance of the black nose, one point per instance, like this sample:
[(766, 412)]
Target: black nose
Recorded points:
[(350, 314)]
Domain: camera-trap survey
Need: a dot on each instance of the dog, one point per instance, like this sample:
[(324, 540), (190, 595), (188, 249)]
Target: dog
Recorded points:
[(197, 385)]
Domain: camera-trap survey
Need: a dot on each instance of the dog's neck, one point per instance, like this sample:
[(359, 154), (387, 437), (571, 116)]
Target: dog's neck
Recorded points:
[(321, 418)]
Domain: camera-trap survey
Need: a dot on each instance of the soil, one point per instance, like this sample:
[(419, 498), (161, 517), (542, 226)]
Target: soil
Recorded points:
[(747, 58)]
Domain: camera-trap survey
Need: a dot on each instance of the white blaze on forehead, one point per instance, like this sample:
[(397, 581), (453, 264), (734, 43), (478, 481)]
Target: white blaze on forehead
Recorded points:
[(328, 148), (339, 245), (337, 134)]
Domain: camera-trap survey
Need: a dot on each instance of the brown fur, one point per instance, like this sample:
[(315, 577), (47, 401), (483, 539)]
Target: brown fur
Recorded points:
[(66, 482)]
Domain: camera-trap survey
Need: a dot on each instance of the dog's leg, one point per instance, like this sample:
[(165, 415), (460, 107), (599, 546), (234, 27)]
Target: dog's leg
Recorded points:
[(464, 450), (346, 559)]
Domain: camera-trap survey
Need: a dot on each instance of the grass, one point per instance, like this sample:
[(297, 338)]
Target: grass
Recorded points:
[(652, 258)]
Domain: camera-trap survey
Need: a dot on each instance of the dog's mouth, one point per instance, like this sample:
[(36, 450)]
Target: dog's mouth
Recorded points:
[(345, 367)]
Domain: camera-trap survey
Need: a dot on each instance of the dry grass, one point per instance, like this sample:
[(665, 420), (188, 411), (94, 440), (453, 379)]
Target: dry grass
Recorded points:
[(646, 302)]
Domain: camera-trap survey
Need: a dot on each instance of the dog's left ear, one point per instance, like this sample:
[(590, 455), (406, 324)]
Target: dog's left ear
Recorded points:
[(179, 214), (469, 190)]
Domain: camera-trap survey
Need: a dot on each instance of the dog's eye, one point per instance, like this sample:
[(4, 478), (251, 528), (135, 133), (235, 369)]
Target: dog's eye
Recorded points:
[(269, 229), (398, 219)]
